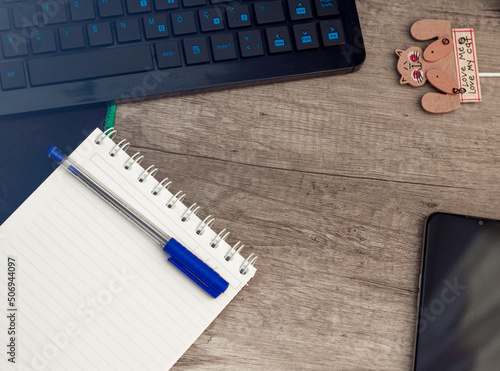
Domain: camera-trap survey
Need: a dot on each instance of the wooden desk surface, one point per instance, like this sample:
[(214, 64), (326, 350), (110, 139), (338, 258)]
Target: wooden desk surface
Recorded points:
[(329, 181)]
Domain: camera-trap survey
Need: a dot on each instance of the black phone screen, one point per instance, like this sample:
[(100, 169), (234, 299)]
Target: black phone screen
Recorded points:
[(459, 311)]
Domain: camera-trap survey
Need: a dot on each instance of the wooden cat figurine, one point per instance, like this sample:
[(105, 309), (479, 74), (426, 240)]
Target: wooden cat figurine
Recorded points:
[(436, 64)]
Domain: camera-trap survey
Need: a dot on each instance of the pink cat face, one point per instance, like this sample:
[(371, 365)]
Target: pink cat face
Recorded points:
[(410, 66)]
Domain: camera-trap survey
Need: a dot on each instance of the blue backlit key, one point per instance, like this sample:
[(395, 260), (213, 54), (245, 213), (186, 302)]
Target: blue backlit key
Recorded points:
[(14, 45), (12, 75), (196, 50), (99, 34), (53, 12), (167, 54), (238, 16), (183, 23), (82, 10), (299, 9), (155, 26), (223, 47), (138, 6), (269, 12), (127, 30), (4, 19), (25, 16), (43, 41), (110, 8), (306, 36), (278, 39), (332, 32), (166, 4), (71, 37), (250, 43), (211, 19), (188, 3), (327, 7)]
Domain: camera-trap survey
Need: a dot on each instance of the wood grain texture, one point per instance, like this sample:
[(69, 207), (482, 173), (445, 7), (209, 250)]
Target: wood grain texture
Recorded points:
[(329, 181)]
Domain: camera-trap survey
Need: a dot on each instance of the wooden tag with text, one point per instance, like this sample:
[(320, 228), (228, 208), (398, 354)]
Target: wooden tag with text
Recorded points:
[(467, 71)]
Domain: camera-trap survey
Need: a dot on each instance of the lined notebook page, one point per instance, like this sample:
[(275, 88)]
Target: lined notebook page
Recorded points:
[(92, 291)]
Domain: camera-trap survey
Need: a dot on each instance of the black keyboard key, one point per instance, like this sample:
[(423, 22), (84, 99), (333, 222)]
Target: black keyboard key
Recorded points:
[(12, 75), (189, 3), (332, 32), (223, 47), (82, 10), (110, 8), (220, 1), (278, 39), (14, 45), (250, 43), (93, 64), (306, 36), (300, 9), (53, 12), (238, 16), (327, 7), (25, 16), (166, 4), (128, 30), (138, 6), (211, 19), (99, 34), (43, 41), (155, 26), (4, 19), (196, 50), (269, 12), (167, 54), (183, 23), (71, 37)]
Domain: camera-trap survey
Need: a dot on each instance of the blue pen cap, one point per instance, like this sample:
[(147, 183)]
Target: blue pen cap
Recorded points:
[(195, 268), (56, 154)]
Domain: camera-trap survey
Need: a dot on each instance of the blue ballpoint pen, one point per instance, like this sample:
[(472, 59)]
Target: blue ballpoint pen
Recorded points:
[(181, 257)]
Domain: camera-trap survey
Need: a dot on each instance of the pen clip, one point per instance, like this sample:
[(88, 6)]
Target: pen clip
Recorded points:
[(214, 293), (195, 268)]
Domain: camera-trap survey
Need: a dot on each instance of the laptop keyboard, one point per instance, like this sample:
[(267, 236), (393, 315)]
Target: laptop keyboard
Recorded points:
[(57, 53)]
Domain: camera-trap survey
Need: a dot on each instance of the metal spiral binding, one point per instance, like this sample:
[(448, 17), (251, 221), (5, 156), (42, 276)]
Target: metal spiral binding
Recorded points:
[(147, 173), (247, 263), (193, 209), (136, 158), (207, 222), (110, 133), (220, 237), (179, 196), (164, 184), (234, 250), (118, 147)]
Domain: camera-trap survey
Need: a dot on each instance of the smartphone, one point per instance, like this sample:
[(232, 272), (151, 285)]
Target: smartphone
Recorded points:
[(458, 324)]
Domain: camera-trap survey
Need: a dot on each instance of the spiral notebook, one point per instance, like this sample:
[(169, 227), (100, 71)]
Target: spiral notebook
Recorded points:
[(84, 289)]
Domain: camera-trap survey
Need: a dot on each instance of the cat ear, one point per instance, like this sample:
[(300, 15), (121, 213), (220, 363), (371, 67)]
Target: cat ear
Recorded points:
[(398, 52), (403, 81)]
